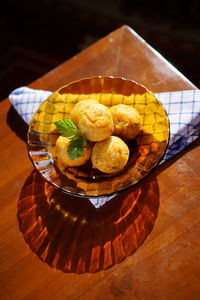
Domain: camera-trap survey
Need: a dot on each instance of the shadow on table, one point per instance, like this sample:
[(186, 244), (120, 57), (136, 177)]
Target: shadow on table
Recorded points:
[(16, 123), (70, 234)]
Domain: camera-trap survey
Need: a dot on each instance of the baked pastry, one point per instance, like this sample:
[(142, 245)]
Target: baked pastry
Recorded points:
[(96, 122), (110, 155), (127, 121), (62, 155), (79, 108)]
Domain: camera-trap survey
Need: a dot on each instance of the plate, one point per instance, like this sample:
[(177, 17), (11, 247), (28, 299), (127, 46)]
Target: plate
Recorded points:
[(146, 150)]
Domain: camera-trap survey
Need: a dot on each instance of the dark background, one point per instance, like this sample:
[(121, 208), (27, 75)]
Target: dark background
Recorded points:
[(37, 35)]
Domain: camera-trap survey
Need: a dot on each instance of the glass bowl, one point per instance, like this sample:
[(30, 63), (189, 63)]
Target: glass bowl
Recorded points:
[(146, 150)]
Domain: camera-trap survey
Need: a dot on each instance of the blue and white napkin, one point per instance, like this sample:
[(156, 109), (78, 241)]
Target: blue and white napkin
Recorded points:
[(183, 108)]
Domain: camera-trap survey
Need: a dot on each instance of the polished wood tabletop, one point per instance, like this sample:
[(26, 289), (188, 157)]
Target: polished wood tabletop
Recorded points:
[(166, 265)]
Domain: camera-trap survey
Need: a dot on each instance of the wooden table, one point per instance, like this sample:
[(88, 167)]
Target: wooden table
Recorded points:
[(166, 265)]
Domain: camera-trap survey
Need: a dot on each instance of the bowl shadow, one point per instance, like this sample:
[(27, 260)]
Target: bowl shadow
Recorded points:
[(17, 124), (70, 234)]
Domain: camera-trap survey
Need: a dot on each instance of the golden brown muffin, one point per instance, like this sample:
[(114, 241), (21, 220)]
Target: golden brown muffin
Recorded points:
[(127, 121), (110, 155), (96, 122), (63, 157), (79, 108)]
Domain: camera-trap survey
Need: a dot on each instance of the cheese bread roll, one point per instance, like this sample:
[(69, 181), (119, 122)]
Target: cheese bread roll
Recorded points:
[(127, 121), (79, 108), (96, 122), (110, 155), (63, 158)]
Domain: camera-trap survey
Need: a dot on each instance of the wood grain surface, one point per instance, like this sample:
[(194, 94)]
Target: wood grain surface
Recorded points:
[(166, 265)]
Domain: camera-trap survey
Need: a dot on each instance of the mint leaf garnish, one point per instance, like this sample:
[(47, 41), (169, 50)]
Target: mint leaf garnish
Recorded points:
[(75, 149), (69, 130)]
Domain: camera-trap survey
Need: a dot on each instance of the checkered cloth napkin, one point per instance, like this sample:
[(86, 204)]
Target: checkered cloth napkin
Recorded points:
[(183, 108)]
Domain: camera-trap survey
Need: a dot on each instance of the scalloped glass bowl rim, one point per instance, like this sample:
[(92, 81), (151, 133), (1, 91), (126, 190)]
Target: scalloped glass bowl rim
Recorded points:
[(115, 193)]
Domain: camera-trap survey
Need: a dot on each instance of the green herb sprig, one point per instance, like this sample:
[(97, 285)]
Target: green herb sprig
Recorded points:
[(69, 130)]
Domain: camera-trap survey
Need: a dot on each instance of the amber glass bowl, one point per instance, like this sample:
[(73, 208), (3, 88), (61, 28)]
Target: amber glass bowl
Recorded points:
[(145, 151)]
